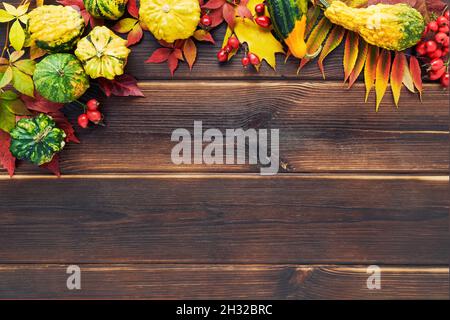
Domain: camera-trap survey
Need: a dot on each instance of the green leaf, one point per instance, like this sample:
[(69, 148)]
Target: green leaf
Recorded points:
[(16, 107), (22, 82), (7, 119), (27, 66), (17, 36), (6, 78), (5, 16), (8, 95)]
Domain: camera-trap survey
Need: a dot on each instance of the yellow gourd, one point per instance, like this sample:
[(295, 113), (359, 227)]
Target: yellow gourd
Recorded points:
[(170, 20)]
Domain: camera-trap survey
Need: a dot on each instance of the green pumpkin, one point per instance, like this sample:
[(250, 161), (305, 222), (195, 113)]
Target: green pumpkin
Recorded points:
[(106, 9), (36, 139), (60, 78)]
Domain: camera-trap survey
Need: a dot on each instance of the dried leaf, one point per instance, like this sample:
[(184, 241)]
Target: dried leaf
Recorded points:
[(350, 53), (370, 69), (7, 161), (190, 52), (36, 52), (332, 42), (382, 75), (397, 72), (360, 61), (416, 72)]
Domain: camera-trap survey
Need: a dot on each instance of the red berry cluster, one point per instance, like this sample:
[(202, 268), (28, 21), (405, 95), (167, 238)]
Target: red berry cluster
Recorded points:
[(234, 44), (91, 114), (433, 48)]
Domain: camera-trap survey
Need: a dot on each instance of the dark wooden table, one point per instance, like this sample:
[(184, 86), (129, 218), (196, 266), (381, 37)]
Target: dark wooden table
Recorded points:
[(362, 188)]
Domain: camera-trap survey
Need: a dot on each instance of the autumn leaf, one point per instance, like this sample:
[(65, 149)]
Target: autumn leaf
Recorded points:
[(260, 41), (53, 166), (64, 124), (133, 9), (203, 35), (135, 35), (122, 86), (125, 25), (40, 104), (416, 72), (311, 17), (36, 52), (22, 82), (6, 78), (214, 4), (407, 79), (333, 41), (359, 64), (397, 72), (229, 15), (190, 52), (350, 53), (382, 75), (17, 35), (27, 66), (370, 69), (7, 160)]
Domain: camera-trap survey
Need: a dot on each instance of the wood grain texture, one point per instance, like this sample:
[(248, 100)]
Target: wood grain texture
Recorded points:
[(222, 282), (317, 134), (225, 219)]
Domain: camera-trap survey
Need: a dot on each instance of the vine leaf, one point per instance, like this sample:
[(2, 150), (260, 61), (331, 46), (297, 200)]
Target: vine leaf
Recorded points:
[(350, 53), (22, 82), (382, 75), (333, 41), (17, 35), (370, 69), (397, 72)]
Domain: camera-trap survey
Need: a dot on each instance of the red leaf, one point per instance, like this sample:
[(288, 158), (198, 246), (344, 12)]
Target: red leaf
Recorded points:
[(178, 54), (64, 124), (53, 166), (190, 52), (216, 17), (214, 4), (7, 161), (132, 8), (416, 73), (244, 12), (160, 55), (397, 71), (40, 104), (135, 35), (173, 63), (229, 15), (122, 86)]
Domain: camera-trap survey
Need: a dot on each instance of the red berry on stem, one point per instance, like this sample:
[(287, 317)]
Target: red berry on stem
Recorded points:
[(94, 116), (442, 21), (222, 56), (260, 9), (92, 104), (263, 21), (435, 54), (444, 80), (436, 64), (206, 20), (440, 37), (431, 46), (245, 61), (83, 120), (254, 59), (233, 42), (433, 26), (228, 48)]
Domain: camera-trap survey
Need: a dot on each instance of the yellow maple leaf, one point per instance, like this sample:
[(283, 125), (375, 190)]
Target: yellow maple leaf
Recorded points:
[(260, 41)]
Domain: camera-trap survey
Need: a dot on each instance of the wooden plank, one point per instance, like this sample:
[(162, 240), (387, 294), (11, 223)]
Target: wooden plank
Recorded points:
[(225, 219), (317, 134), (222, 282)]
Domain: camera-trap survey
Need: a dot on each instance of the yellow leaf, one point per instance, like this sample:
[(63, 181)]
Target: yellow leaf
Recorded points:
[(260, 41), (22, 82), (17, 36), (7, 77), (382, 75), (22, 9), (11, 9), (39, 3), (5, 16)]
